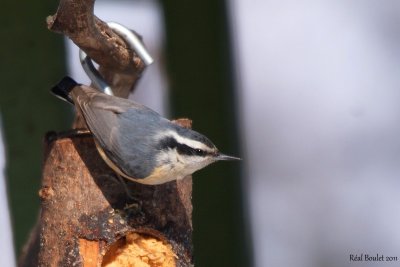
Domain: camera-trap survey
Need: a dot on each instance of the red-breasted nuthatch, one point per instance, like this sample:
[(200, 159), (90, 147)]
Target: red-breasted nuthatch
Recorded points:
[(137, 142)]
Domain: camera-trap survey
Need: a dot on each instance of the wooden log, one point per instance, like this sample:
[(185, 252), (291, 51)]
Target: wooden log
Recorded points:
[(88, 219)]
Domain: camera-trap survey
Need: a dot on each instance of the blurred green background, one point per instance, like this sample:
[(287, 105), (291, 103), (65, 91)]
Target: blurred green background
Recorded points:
[(200, 70)]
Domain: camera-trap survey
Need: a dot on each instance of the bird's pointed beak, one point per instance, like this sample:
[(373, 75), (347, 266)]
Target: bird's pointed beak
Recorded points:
[(221, 156)]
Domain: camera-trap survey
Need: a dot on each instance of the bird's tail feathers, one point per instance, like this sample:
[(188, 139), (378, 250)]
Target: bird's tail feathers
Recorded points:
[(63, 88)]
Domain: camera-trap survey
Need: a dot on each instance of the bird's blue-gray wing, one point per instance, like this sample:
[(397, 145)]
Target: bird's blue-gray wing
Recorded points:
[(123, 129)]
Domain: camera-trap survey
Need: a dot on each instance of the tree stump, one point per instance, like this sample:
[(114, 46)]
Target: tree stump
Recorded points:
[(88, 218)]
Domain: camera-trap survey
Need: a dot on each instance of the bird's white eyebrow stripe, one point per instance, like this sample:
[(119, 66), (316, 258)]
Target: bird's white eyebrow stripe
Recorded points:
[(186, 141)]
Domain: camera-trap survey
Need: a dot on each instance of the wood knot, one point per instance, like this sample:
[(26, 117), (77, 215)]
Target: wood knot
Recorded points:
[(46, 192)]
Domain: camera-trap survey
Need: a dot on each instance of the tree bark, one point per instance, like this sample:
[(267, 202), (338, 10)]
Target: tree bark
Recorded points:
[(88, 219)]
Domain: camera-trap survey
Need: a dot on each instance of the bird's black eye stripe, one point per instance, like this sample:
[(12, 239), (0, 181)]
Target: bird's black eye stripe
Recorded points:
[(200, 152), (187, 150), (183, 149)]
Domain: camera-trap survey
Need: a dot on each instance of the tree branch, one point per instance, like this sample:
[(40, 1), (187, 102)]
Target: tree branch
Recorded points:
[(119, 64)]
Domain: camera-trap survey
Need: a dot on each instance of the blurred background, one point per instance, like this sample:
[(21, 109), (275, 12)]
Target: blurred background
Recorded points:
[(306, 92)]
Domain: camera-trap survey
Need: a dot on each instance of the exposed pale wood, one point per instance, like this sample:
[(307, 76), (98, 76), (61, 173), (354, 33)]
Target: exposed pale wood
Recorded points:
[(90, 252)]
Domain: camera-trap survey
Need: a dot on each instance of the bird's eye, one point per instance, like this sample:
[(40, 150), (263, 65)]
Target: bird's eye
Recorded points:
[(199, 152)]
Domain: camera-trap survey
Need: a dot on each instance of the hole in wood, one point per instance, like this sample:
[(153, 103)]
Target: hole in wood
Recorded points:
[(139, 250)]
